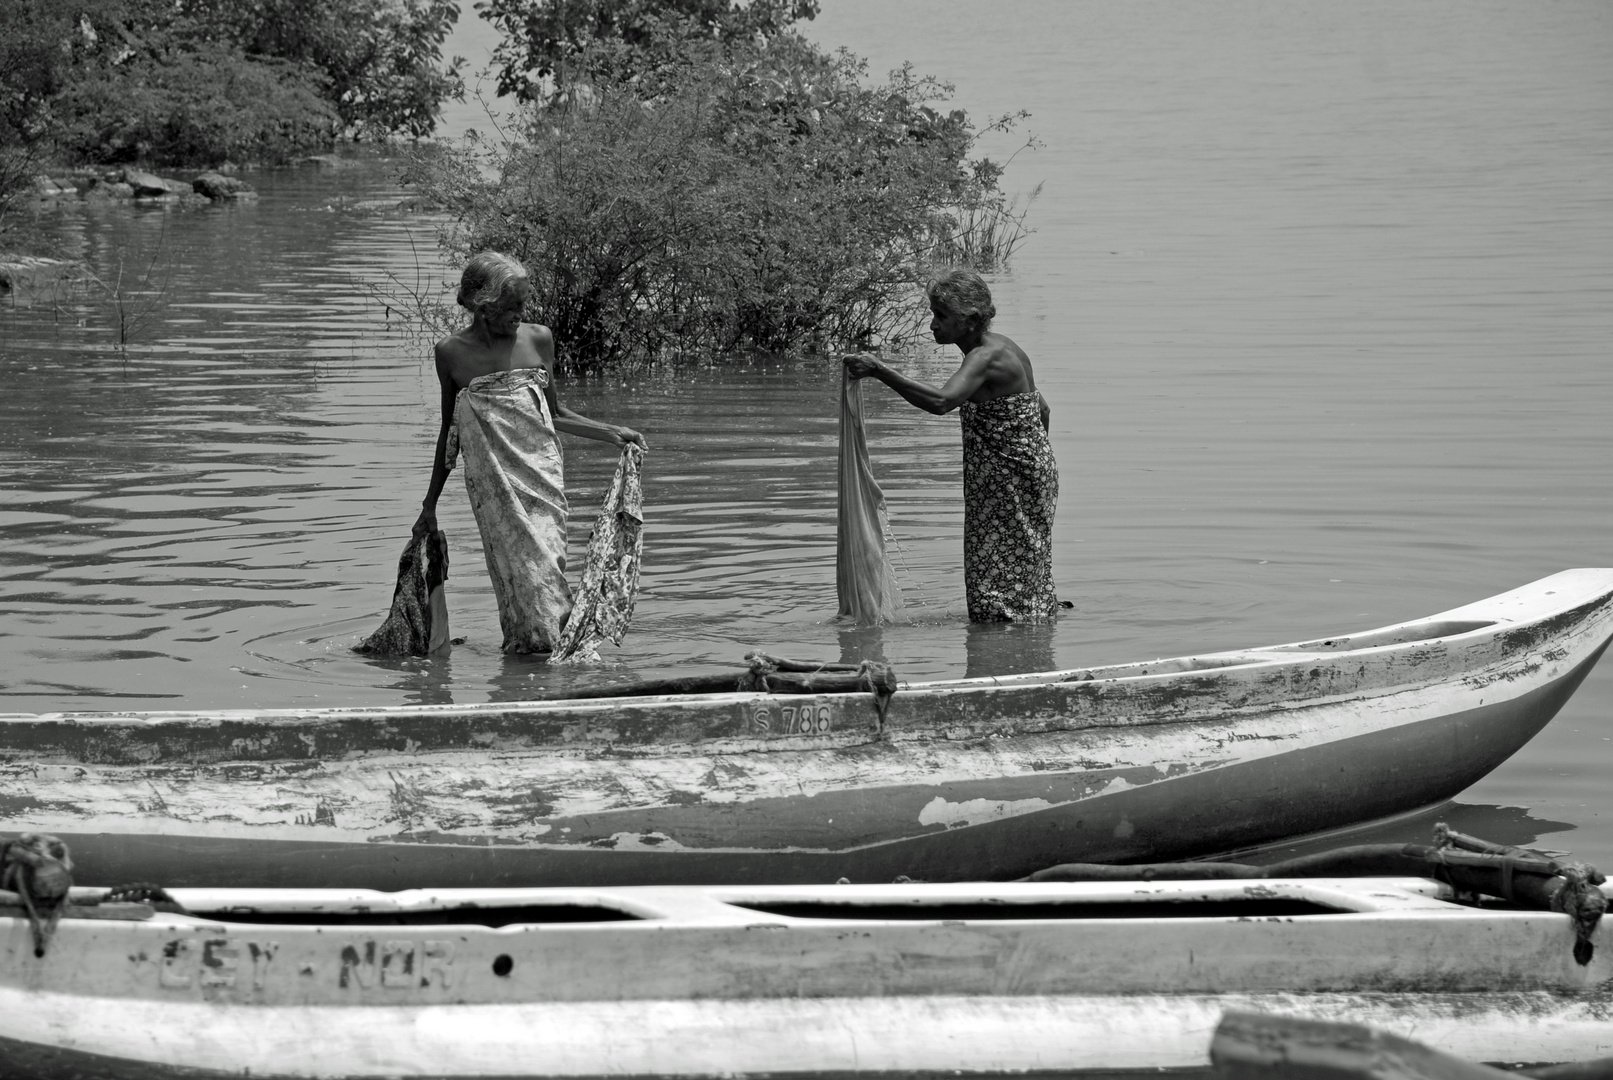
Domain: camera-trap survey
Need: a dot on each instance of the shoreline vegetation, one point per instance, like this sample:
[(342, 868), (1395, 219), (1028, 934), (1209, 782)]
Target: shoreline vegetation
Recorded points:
[(194, 84), (686, 180)]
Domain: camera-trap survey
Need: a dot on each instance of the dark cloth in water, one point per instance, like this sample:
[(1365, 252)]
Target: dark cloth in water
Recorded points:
[(863, 577), (1010, 490), (603, 604), (418, 621)]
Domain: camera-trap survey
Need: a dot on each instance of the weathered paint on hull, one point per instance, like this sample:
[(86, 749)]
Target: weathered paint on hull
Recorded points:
[(1350, 780), (975, 779), (769, 981)]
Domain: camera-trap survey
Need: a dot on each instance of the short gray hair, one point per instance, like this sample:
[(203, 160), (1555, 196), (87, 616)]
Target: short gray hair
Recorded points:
[(487, 277), (963, 292)]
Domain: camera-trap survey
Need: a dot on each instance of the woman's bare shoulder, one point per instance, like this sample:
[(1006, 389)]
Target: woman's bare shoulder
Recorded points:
[(1002, 343), (459, 359), (1007, 365), (537, 338), (996, 352), (454, 344)]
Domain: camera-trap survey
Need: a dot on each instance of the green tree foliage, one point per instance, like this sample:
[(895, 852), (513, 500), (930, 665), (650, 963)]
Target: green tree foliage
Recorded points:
[(196, 81), (740, 199), (546, 42), (189, 106), (381, 59), (16, 173)]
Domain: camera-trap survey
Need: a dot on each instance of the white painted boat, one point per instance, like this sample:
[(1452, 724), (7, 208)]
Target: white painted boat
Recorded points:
[(751, 981), (972, 779)]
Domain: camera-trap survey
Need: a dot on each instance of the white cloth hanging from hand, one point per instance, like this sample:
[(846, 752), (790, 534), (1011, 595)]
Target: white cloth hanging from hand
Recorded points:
[(867, 585)]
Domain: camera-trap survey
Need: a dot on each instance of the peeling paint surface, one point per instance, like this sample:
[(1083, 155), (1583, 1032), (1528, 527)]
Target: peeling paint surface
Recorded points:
[(877, 979), (1113, 763), (940, 812)]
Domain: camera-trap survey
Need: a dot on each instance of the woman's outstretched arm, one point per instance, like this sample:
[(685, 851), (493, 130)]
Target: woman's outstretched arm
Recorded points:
[(963, 384), (575, 423), (427, 522), (571, 421)]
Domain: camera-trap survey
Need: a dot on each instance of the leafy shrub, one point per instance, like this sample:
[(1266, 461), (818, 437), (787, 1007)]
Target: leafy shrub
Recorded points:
[(200, 80), (193, 107), (757, 199), (620, 40), (17, 170), (380, 59)]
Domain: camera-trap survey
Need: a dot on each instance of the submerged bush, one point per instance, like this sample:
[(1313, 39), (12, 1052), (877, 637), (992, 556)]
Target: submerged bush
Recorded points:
[(733, 199)]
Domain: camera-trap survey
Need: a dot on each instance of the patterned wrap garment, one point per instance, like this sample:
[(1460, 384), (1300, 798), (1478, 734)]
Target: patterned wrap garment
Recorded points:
[(516, 483), (603, 604), (1010, 490)]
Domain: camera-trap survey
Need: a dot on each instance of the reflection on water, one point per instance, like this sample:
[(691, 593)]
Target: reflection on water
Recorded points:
[(1321, 310)]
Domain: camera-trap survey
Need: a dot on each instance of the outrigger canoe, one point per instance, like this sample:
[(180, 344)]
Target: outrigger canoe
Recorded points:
[(770, 981), (971, 779)]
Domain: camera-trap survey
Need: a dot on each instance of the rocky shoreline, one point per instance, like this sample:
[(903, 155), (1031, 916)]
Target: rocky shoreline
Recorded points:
[(30, 267), (214, 185), (29, 272), (35, 271)]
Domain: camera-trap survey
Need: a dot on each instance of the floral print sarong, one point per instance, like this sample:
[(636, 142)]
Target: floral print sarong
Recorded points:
[(516, 481), (604, 602), (1010, 490)]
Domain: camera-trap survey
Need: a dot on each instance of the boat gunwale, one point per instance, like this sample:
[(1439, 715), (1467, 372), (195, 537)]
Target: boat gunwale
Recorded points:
[(1582, 604)]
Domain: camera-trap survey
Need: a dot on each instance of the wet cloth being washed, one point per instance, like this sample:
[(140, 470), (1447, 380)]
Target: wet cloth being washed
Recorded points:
[(1010, 490), (516, 483), (603, 605), (417, 624), (863, 577)]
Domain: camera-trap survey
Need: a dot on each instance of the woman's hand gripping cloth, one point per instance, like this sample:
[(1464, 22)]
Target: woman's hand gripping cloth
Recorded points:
[(863, 576), (1010, 490), (418, 621), (604, 602), (516, 482)]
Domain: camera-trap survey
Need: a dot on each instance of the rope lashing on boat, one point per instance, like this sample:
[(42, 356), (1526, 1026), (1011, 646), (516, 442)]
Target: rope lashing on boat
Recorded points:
[(776, 675), (38, 868), (764, 674), (1570, 888), (1581, 900), (1467, 864)]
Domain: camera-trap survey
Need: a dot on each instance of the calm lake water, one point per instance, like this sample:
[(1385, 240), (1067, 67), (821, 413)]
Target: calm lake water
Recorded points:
[(1321, 296)]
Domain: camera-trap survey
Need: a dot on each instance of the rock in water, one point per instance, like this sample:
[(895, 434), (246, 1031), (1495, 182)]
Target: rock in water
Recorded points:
[(418, 622), (147, 185), (217, 186)]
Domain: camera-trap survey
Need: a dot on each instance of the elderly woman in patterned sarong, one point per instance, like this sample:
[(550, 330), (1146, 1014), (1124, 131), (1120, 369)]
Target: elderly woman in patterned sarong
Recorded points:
[(1010, 480), (500, 408)]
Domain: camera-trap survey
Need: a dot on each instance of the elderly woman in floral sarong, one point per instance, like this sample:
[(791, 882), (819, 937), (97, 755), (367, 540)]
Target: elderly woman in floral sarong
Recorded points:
[(1010, 480), (500, 408)]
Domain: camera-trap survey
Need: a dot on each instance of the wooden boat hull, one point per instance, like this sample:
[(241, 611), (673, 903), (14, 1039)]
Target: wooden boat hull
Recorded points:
[(769, 981), (970, 779)]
